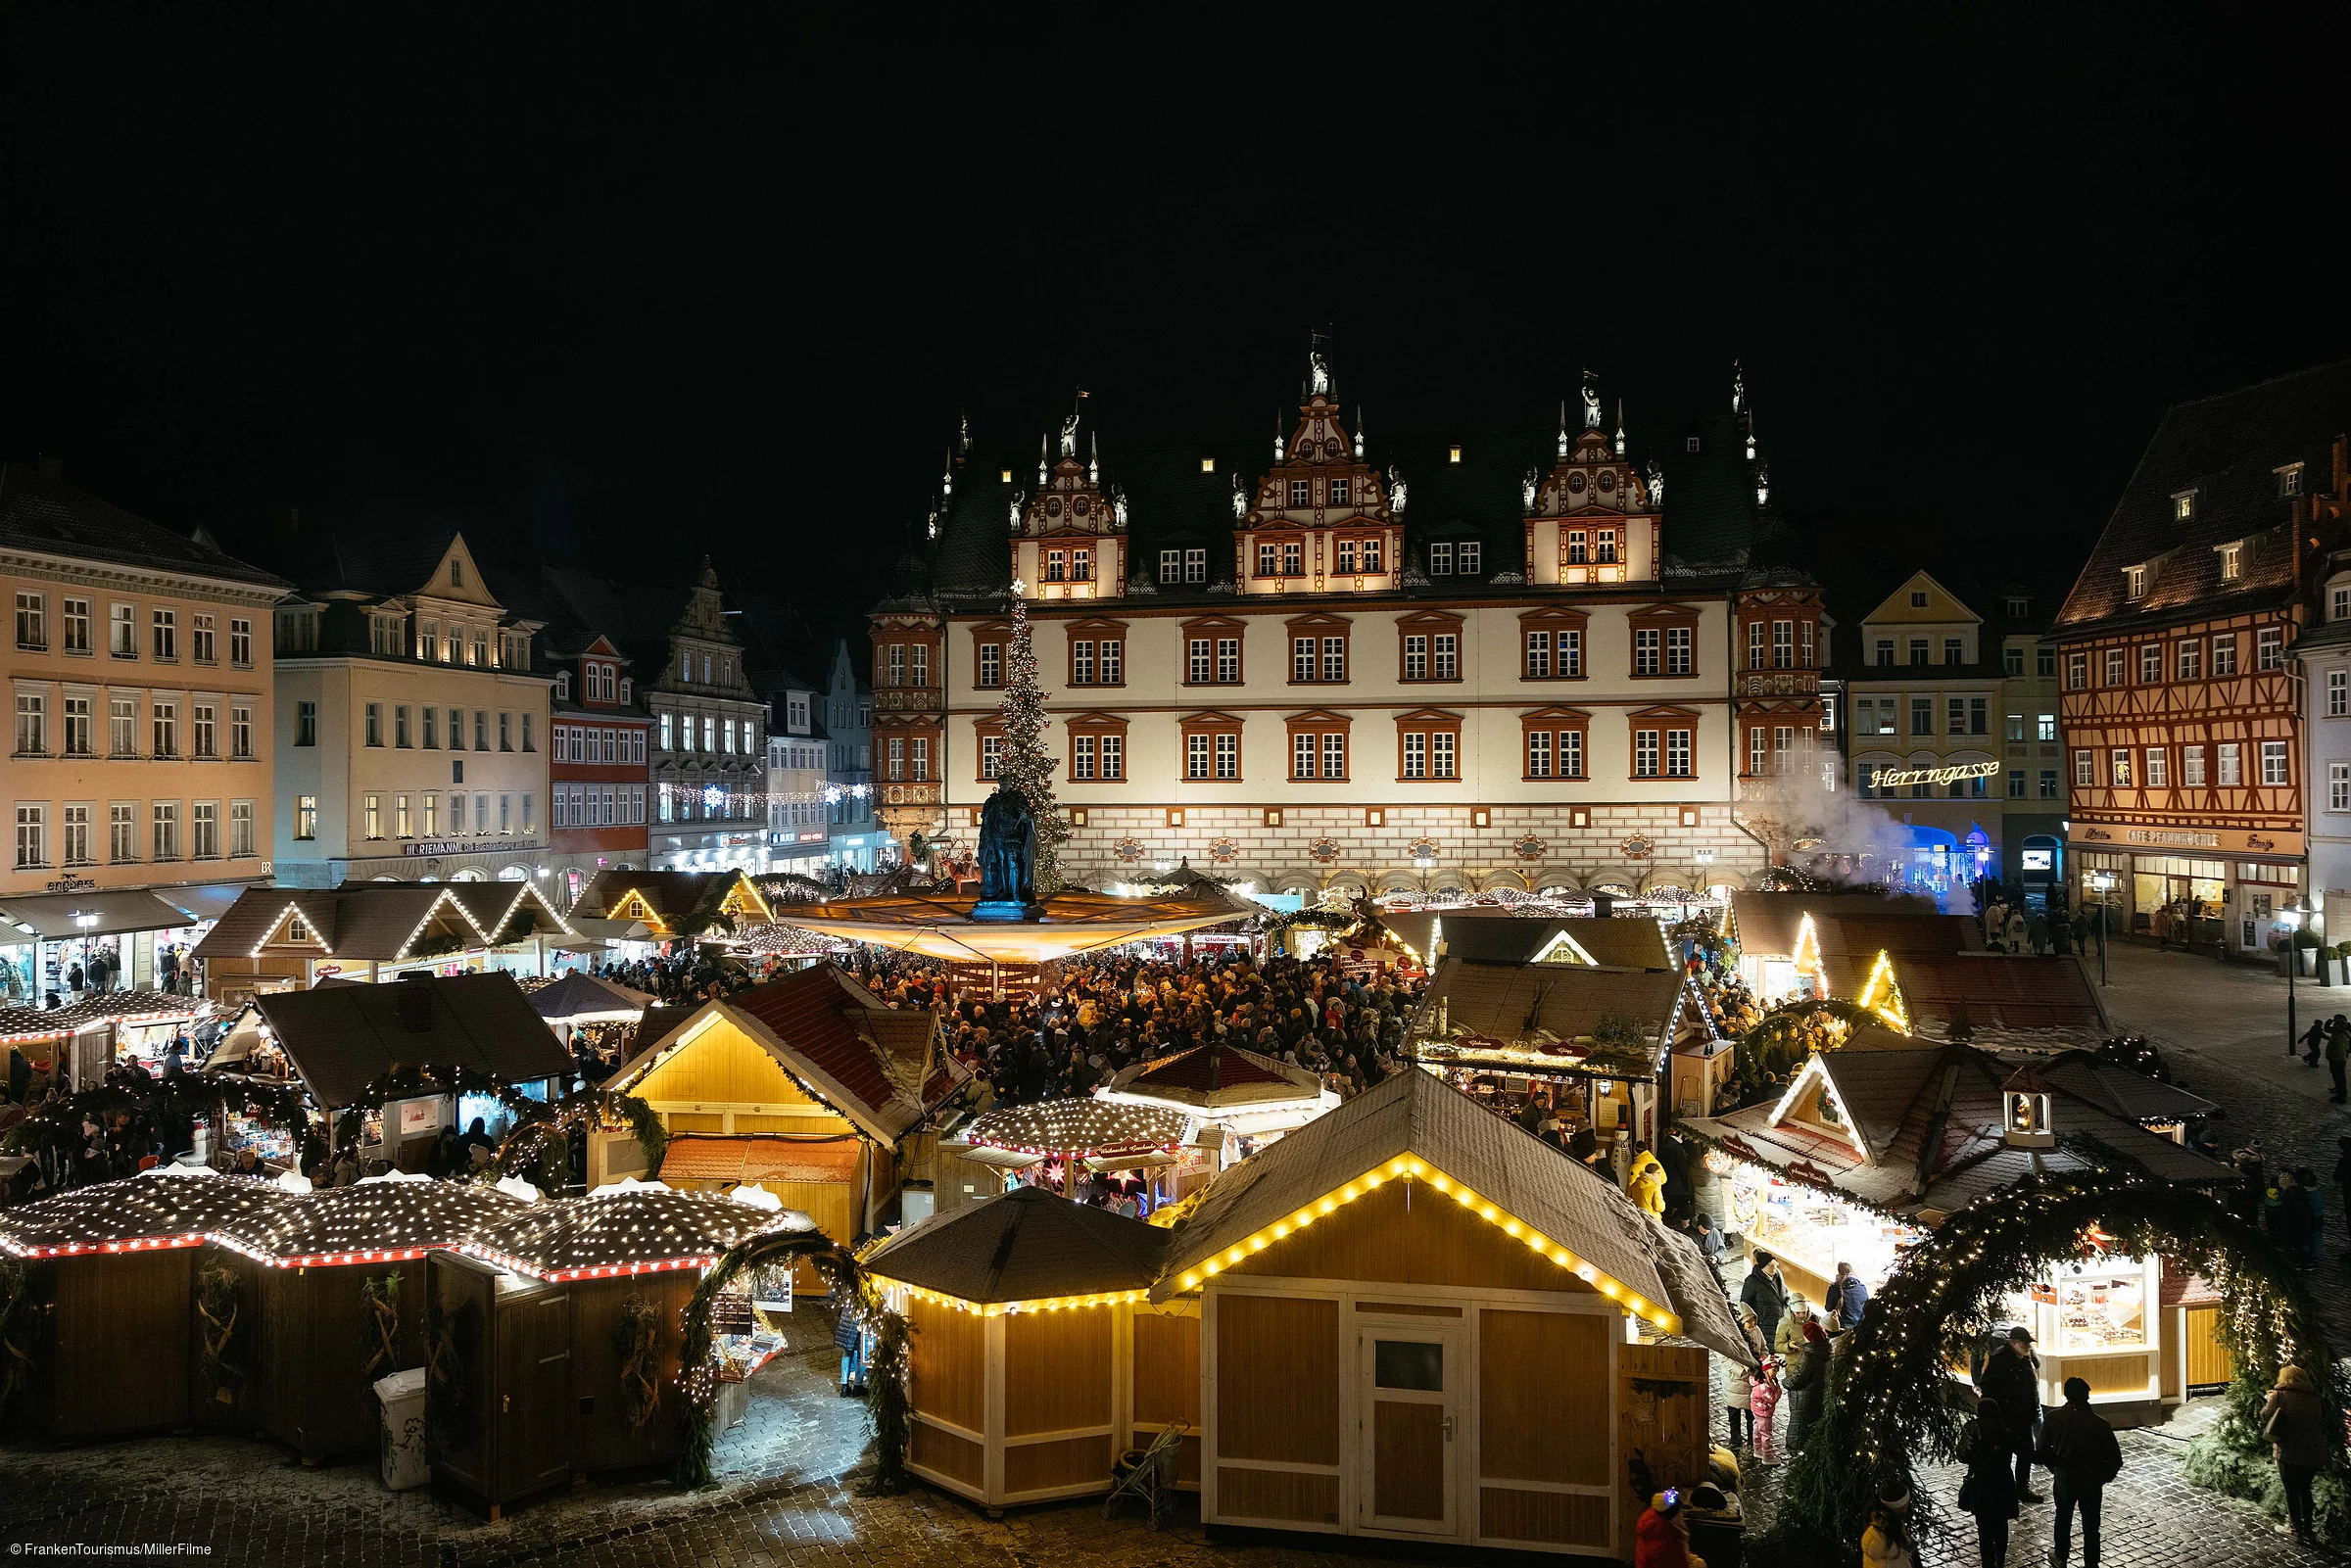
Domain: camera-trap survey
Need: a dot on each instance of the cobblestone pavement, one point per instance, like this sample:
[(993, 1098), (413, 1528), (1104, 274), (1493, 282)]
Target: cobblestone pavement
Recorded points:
[(788, 1492)]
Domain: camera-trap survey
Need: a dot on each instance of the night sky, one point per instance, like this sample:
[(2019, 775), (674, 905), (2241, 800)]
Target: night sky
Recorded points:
[(687, 280)]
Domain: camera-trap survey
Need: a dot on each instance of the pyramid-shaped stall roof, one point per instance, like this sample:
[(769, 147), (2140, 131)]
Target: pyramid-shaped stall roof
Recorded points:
[(1026, 1246)]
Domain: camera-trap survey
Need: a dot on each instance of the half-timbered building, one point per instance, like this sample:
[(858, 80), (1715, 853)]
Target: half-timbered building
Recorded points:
[(1450, 661), (2180, 704)]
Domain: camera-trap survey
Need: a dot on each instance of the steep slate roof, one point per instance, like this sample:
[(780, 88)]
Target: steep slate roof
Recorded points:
[(375, 920), (879, 1066), (378, 566), (1215, 1077), (674, 895), (1892, 1097), (340, 1038), (1534, 1004), (2227, 448), (2119, 1091), (1025, 1245), (2005, 990), (1414, 1113), (49, 515), (1484, 936), (1710, 512), (1769, 923)]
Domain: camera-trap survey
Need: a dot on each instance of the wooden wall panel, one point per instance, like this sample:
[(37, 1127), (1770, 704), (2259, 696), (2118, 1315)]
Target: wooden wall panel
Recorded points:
[(721, 1067), (1166, 1367), (1552, 1518), (233, 1400), (948, 1355), (458, 1285), (1057, 1369), (950, 1456), (2207, 1357), (1070, 1462), (2110, 1374), (695, 1120), (1277, 1378), (118, 1343), (1543, 1396), (1670, 1429), (601, 1437), (1408, 1461), (318, 1399), (1431, 1240), (1243, 1493)]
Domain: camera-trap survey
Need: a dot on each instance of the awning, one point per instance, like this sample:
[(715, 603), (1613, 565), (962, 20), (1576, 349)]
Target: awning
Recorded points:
[(207, 901), (54, 917)]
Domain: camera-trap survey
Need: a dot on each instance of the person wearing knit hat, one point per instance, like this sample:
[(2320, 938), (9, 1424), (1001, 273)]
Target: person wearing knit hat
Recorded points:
[(1660, 1536)]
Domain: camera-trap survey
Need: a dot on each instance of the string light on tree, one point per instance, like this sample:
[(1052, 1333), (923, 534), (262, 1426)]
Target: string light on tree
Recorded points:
[(1026, 766)]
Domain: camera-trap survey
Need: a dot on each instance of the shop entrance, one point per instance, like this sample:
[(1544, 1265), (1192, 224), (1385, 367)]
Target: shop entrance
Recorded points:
[(2177, 900), (1410, 1378)]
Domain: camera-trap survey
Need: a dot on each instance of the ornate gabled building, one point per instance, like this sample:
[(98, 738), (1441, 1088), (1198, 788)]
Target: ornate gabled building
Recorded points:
[(2182, 718), (1439, 661)]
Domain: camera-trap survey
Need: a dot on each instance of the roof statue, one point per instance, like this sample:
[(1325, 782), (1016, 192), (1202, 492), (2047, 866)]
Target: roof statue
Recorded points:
[(1318, 371), (1763, 484), (1738, 388), (1395, 491), (1240, 497), (1591, 404), (1118, 510), (946, 480), (931, 528), (1068, 435), (1044, 453), (1018, 496), (1527, 492), (966, 432), (1657, 485)]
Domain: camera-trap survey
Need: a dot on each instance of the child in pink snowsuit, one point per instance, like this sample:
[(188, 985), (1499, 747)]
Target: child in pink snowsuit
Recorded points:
[(1765, 1403)]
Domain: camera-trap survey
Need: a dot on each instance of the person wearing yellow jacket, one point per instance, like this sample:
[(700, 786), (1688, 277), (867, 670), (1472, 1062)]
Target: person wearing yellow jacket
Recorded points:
[(1646, 1185)]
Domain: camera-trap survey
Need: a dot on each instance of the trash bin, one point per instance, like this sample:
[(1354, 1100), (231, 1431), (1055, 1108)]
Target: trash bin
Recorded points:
[(402, 1440)]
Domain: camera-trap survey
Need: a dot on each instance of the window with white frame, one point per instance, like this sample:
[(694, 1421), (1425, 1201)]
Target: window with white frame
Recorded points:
[(2224, 654), (32, 724), (123, 833), (2232, 769), (2338, 694), (2273, 762), (2232, 562), (74, 836), (2084, 769), (2269, 648), (204, 830), (2191, 765), (2338, 786), (2159, 776), (165, 842), (1645, 753), (33, 834), (78, 626)]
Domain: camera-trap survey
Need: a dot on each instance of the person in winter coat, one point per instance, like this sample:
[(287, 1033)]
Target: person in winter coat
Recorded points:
[(1846, 1297), (1765, 1292), (1646, 1184), (1808, 1384), (2081, 1454), (2294, 1420), (1887, 1542), (1790, 1340), (1989, 1490), (2338, 1056), (1763, 1406), (2010, 1378), (1660, 1539)]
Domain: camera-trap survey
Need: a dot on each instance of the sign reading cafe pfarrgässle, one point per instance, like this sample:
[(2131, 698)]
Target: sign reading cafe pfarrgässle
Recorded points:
[(1894, 777)]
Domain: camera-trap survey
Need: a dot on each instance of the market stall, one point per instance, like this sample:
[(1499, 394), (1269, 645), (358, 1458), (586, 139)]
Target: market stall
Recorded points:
[(1104, 1135), (115, 1270), (336, 1281), (1834, 1172), (1034, 1358), (557, 1336)]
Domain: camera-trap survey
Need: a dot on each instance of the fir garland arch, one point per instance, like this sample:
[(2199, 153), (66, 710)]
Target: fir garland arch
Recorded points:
[(697, 1361), (1888, 1407), (1787, 1037)]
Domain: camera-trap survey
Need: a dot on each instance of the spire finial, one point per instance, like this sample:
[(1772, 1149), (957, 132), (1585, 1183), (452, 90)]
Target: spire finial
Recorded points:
[(1093, 457), (1359, 432), (1045, 452), (1277, 442), (1620, 427), (1562, 427)]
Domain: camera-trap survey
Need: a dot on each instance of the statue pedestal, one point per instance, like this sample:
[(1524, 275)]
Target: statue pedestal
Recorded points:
[(1007, 908)]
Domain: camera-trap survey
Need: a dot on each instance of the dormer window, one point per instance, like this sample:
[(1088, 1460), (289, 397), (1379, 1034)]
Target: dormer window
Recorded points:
[(1007, 477), (1208, 465), (2019, 608), (2289, 480), (2233, 563), (1440, 559), (457, 573), (2024, 1112), (625, 684), (1467, 555), (1689, 444), (2183, 507), (563, 686), (2134, 582), (1452, 454)]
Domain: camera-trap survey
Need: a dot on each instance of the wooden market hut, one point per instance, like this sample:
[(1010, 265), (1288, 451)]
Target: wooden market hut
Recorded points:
[(1496, 936), (340, 1039), (1544, 1021), (72, 1046), (114, 1269), (1035, 1356), (1892, 1132), (1419, 1321), (813, 1058), (282, 938), (302, 1268), (1787, 941), (671, 904), (1225, 1085), (536, 1306)]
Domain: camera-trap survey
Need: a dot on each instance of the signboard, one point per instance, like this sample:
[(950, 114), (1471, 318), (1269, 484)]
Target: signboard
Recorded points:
[(419, 1116), (1894, 778), (73, 884), (462, 847), (2175, 839), (2038, 860)]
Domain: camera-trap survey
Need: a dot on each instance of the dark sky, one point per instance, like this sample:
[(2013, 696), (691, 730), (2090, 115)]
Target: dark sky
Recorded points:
[(684, 280)]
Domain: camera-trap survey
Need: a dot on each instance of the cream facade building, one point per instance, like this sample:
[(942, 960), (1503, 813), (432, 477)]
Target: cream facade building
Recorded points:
[(412, 730), (141, 689)]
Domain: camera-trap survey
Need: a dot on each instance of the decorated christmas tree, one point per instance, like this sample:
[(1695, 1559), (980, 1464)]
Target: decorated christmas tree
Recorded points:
[(1027, 765)]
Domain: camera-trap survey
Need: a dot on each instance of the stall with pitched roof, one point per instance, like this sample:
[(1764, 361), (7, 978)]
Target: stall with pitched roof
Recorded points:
[(672, 904), (1035, 1356), (1875, 1143), (813, 1058), (335, 1279), (556, 1332), (1419, 1322), (1788, 943), (283, 938), (112, 1269)]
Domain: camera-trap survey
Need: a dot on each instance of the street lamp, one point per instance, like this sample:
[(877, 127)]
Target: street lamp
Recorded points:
[(2291, 916), (2103, 882)]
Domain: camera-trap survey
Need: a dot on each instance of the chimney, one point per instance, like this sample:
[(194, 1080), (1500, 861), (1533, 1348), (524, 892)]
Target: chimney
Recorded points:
[(289, 521), (415, 1008), (50, 467)]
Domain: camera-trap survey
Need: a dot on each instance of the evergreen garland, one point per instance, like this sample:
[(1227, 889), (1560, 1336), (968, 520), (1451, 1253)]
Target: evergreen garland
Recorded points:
[(637, 1340), (1787, 1038), (886, 1380), (1028, 766), (452, 1353), (218, 1308), (1888, 1407)]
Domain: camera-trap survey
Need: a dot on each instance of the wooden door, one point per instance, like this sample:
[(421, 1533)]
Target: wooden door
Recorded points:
[(535, 1393), (1410, 1385)]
